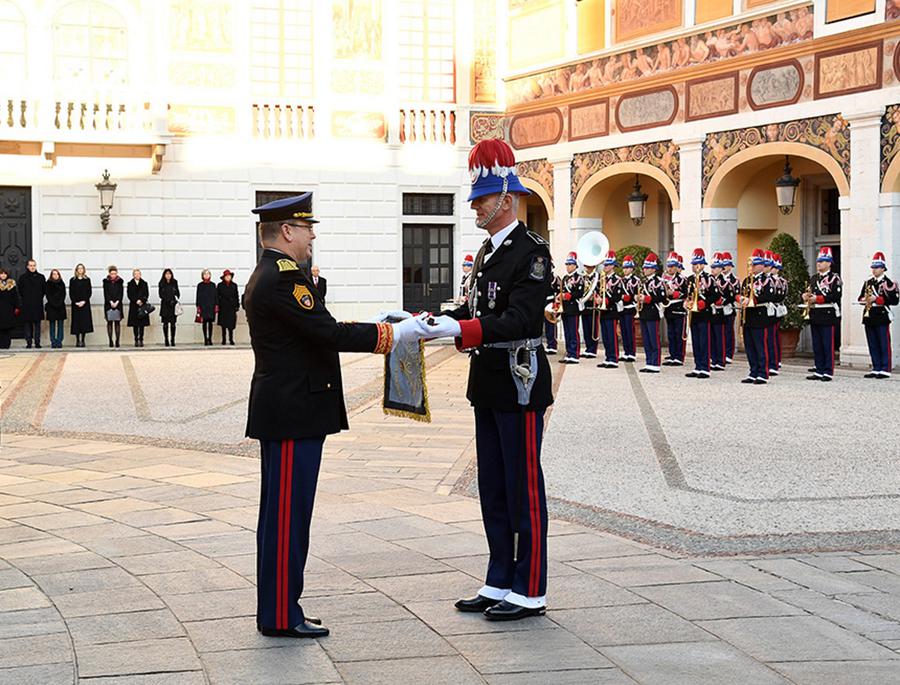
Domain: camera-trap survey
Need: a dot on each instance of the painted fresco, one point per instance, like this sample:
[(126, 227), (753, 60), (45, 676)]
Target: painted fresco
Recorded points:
[(663, 155), (828, 133), (763, 33), (646, 109), (711, 97), (775, 85), (890, 137), (642, 17), (849, 71), (540, 171)]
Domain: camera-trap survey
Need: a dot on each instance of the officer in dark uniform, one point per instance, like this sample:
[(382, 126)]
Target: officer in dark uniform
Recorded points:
[(675, 314), (878, 295), (824, 298), (501, 325), (296, 400), (757, 298), (718, 345), (650, 307), (780, 293), (572, 291)]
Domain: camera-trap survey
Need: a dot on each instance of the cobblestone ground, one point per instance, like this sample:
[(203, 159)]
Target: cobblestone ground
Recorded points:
[(127, 545)]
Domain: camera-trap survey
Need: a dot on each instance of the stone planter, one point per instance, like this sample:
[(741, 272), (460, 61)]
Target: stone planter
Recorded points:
[(789, 337)]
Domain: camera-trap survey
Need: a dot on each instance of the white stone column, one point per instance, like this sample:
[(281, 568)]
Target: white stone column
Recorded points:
[(860, 233), (561, 239), (719, 231), (687, 223), (889, 234)]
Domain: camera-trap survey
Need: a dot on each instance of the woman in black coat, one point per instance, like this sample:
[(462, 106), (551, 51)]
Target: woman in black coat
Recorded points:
[(168, 299), (80, 297), (229, 303), (207, 305), (138, 294), (113, 291), (10, 308), (56, 307)]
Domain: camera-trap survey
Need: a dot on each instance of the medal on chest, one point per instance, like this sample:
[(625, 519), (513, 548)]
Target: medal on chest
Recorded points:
[(492, 294)]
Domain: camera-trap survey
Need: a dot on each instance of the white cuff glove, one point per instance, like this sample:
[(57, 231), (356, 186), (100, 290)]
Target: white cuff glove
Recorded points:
[(408, 330), (442, 327)]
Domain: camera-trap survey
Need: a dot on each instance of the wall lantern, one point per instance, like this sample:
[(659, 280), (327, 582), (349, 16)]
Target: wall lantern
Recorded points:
[(107, 192), (637, 204), (786, 189)]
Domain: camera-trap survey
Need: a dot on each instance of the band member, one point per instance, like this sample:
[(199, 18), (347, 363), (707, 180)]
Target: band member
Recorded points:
[(717, 321), (878, 295), (463, 294), (730, 309), (553, 300), (772, 335), (757, 295), (675, 314), (572, 286), (650, 307), (509, 387), (630, 285), (609, 303), (781, 288), (589, 314), (702, 294), (824, 300)]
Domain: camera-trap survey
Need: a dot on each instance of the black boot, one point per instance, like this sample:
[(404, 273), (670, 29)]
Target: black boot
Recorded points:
[(109, 333), (173, 335)]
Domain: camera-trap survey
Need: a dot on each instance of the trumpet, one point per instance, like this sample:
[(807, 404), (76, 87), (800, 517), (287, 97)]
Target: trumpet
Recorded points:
[(551, 311), (807, 306), (870, 293), (693, 298), (639, 296)]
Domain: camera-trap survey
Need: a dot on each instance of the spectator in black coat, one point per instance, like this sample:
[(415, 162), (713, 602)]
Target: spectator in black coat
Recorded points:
[(56, 307), (10, 308), (229, 303), (320, 282), (32, 289), (113, 292), (207, 305), (80, 297), (138, 317), (169, 295)]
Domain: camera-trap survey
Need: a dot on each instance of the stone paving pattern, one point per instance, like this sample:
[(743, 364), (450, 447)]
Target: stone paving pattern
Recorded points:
[(123, 562)]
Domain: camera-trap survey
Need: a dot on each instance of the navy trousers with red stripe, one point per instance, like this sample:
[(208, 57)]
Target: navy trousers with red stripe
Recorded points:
[(879, 339), (756, 346), (570, 333), (610, 335), (550, 334), (498, 441), (675, 331), (650, 335), (729, 336), (823, 348), (590, 334), (290, 470), (700, 341), (626, 323), (772, 346), (717, 344)]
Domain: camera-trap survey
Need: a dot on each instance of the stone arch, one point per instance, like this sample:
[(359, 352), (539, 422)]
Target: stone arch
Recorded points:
[(626, 169), (891, 182), (541, 192), (721, 193)]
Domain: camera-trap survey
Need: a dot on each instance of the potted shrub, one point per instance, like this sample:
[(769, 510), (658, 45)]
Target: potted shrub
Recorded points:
[(796, 272), (639, 252)]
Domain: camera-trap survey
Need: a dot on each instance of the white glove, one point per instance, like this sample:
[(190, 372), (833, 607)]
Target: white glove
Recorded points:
[(383, 315), (408, 330), (442, 327)]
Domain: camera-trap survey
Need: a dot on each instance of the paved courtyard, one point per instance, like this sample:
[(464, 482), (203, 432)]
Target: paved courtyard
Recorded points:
[(701, 532)]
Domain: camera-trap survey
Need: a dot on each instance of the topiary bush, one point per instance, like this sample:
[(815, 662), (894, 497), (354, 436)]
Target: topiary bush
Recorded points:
[(796, 272), (639, 252)]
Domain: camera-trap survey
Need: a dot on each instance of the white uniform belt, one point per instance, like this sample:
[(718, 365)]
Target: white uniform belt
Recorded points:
[(527, 343)]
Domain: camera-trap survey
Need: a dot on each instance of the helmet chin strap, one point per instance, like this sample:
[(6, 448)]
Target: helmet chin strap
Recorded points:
[(490, 217)]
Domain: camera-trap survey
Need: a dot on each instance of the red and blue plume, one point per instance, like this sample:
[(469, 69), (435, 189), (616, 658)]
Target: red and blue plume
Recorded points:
[(492, 167)]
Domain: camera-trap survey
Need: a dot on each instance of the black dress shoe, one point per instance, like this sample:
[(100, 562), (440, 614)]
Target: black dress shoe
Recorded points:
[(814, 378), (304, 629), (309, 619), (692, 374), (504, 611), (478, 604), (749, 380), (870, 375)]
